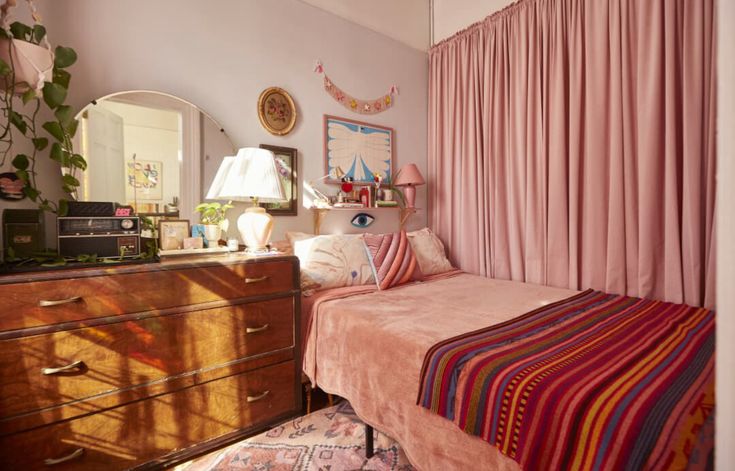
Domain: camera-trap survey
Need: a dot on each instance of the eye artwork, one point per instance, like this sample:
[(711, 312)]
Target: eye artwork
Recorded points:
[(362, 220)]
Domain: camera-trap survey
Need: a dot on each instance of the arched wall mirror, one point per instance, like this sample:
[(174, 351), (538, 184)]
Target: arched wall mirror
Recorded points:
[(148, 150)]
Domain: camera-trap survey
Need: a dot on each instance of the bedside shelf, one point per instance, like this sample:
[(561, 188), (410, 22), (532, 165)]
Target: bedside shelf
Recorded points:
[(319, 214)]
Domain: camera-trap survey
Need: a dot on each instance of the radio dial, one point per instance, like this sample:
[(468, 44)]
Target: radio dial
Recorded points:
[(127, 223)]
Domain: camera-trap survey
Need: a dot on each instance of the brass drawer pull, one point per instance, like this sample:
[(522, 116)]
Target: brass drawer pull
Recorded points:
[(258, 397), (56, 302), (71, 456), (257, 279), (255, 330), (77, 365)]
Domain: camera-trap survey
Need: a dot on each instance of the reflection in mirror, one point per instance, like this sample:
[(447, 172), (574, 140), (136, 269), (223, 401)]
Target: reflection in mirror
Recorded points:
[(147, 150)]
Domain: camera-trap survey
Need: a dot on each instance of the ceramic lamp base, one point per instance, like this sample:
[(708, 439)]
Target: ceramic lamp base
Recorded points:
[(255, 226), (409, 191)]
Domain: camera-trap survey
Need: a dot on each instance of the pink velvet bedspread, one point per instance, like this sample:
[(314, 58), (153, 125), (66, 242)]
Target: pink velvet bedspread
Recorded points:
[(368, 347)]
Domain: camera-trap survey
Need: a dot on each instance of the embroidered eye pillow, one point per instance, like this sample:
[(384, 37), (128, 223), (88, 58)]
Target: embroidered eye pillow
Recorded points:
[(333, 261)]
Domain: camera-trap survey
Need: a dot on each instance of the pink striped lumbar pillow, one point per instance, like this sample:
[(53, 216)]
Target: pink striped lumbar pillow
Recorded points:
[(393, 260)]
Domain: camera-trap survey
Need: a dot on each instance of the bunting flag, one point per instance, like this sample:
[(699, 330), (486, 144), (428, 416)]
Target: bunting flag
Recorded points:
[(355, 104)]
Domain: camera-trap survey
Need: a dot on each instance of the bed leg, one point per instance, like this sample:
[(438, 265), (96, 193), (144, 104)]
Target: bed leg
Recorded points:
[(369, 452)]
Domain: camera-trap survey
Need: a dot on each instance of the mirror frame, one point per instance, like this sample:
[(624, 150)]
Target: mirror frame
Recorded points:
[(191, 192)]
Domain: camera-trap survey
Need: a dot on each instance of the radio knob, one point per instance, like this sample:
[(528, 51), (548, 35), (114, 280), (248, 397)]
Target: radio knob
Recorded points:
[(127, 223)]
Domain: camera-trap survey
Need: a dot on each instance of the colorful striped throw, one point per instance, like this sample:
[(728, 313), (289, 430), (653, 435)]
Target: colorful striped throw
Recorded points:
[(596, 381), (394, 262)]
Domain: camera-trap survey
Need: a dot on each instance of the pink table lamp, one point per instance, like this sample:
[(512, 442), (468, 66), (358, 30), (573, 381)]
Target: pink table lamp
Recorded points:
[(409, 177)]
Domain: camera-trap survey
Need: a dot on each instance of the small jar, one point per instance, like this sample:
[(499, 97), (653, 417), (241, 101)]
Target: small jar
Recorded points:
[(233, 245)]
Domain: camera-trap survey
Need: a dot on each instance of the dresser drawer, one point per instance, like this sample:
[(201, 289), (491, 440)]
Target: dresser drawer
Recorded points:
[(130, 435), (52, 302), (120, 355)]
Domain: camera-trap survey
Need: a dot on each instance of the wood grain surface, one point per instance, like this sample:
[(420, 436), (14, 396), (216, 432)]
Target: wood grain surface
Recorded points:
[(129, 435)]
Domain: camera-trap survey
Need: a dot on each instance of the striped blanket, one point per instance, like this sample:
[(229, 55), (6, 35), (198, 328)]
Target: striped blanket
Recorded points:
[(595, 381)]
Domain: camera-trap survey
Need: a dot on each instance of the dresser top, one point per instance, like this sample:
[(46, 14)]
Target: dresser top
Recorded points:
[(167, 263)]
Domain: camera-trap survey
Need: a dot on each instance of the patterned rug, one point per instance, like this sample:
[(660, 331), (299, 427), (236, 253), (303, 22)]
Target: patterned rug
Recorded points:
[(330, 439)]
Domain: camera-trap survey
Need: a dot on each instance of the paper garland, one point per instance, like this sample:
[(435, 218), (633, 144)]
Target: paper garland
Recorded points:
[(357, 105)]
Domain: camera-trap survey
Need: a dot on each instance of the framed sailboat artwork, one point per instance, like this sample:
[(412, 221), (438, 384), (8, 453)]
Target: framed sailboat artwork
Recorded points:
[(362, 150)]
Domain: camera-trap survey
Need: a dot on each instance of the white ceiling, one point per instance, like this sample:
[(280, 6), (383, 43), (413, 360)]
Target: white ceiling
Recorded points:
[(451, 16), (406, 21)]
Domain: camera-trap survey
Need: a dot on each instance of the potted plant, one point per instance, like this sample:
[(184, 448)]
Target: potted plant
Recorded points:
[(30, 70), (213, 217)]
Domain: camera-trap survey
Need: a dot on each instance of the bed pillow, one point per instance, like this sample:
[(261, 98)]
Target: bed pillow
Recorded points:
[(333, 261), (392, 258), (430, 253)]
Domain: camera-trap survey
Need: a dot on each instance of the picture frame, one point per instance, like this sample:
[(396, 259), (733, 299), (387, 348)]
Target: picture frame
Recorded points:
[(359, 148), (287, 165), (172, 232), (276, 111), (143, 180)]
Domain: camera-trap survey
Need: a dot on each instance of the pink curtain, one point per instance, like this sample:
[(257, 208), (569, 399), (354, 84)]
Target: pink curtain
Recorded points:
[(572, 144)]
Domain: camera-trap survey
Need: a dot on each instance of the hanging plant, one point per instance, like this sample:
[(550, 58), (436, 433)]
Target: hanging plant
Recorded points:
[(33, 75)]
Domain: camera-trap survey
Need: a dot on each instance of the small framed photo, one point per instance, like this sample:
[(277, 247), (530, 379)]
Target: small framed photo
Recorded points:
[(172, 233), (287, 172)]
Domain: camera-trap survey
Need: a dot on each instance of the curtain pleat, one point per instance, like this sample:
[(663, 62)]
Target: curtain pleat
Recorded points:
[(571, 143)]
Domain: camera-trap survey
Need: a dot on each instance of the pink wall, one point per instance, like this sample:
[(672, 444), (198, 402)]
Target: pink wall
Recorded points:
[(221, 55), (725, 426)]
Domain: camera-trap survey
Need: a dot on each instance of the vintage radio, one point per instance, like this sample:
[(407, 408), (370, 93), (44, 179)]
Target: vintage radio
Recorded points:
[(103, 236), (23, 231)]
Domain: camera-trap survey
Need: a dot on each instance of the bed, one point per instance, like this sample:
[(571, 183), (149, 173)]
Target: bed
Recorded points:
[(369, 347)]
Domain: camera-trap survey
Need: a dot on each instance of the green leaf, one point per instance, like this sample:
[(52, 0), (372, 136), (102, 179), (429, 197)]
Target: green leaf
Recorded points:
[(64, 114), (21, 31), (53, 94), (57, 152), (23, 175), (40, 143), (59, 262), (4, 67), (21, 162), (65, 56), (18, 121), (63, 207), (29, 95), (71, 129), (30, 192), (69, 180), (39, 32), (78, 161), (54, 128), (62, 77)]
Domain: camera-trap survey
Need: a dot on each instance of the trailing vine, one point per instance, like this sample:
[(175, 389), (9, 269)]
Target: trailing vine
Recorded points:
[(57, 132)]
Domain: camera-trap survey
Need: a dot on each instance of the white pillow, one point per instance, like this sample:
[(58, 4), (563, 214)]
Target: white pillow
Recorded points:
[(429, 250), (333, 261)]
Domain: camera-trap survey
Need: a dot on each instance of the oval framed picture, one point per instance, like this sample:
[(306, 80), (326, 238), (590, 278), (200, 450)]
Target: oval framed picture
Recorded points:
[(276, 111)]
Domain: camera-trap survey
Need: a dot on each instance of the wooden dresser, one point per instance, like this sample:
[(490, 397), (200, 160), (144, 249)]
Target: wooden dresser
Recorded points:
[(145, 365)]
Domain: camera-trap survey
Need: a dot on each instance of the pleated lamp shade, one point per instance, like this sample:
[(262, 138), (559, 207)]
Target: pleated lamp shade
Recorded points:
[(252, 173)]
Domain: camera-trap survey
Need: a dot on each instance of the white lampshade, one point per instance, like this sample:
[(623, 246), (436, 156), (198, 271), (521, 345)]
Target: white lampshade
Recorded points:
[(252, 173)]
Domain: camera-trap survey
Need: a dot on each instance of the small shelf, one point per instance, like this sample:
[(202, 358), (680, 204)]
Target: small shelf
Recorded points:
[(174, 214)]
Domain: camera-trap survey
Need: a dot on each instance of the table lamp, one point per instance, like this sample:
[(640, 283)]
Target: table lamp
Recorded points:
[(336, 173), (251, 175), (409, 177)]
